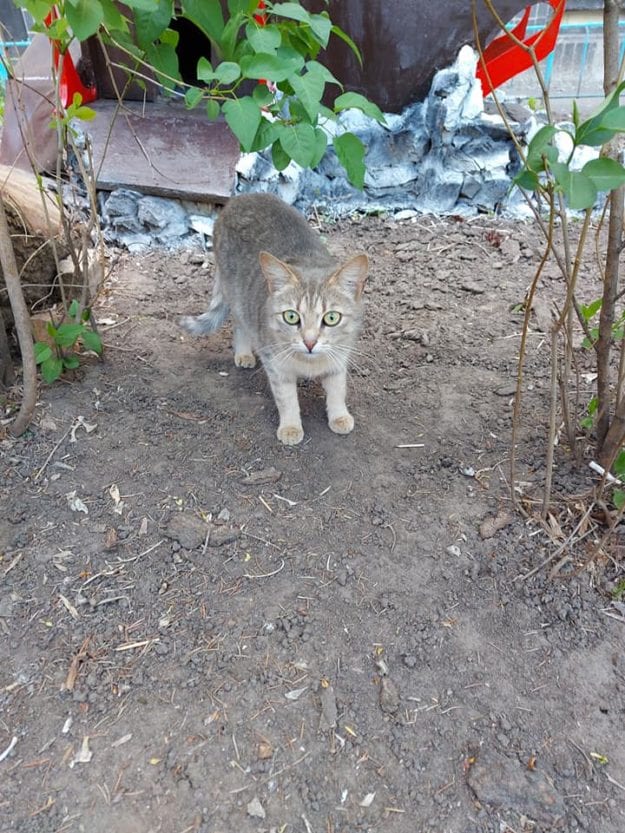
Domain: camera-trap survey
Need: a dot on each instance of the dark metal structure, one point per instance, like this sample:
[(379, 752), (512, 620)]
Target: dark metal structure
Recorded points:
[(404, 42)]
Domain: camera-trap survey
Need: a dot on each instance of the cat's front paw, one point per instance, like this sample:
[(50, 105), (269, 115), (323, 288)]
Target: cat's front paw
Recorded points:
[(245, 360), (343, 424), (290, 434)]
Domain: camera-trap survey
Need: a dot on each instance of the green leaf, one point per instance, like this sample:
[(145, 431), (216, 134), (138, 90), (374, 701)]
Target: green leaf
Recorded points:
[(351, 154), (213, 109), (43, 352), (593, 405), (299, 142), (279, 157), (315, 68), (242, 6), (149, 25), (606, 174), (614, 120), (243, 117), (71, 362), (292, 11), (37, 9), (92, 341), (271, 67), (265, 135), (207, 15), (262, 95), (349, 100), (205, 71), (51, 369), (164, 60), (618, 497), (536, 148), (114, 20), (587, 422), (263, 38), (227, 72), (146, 5), (336, 30), (73, 309), (67, 334), (192, 97), (592, 132), (84, 18), (321, 26), (309, 90), (321, 143), (576, 116), (528, 180), (619, 464), (591, 309), (579, 190)]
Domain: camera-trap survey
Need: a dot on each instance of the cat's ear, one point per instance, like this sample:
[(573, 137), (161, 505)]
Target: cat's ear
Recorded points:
[(277, 274), (352, 275)]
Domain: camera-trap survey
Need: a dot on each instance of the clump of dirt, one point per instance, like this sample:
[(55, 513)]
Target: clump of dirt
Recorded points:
[(203, 630)]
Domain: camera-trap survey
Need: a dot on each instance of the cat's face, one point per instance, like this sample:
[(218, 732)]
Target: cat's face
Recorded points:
[(315, 317)]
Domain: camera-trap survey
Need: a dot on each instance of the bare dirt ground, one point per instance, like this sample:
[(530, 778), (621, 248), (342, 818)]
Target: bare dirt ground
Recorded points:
[(202, 630)]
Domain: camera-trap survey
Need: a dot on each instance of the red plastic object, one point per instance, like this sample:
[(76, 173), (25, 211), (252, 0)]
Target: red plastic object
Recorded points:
[(503, 58), (69, 80), (261, 18)]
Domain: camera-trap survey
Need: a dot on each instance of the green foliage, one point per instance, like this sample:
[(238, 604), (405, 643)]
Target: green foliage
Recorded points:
[(618, 591), (543, 171), (589, 312), (278, 52), (54, 361)]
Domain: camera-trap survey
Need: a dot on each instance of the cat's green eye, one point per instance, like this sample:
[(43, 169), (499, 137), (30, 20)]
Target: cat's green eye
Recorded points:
[(291, 316), (332, 318)]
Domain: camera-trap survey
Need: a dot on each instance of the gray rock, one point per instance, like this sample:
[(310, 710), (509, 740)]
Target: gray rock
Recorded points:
[(188, 530), (256, 809), (389, 696), (504, 784), (221, 535), (167, 218)]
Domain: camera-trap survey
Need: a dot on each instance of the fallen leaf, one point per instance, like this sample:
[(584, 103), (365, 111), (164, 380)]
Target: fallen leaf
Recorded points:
[(69, 607), (84, 754), (265, 750), (75, 503), (367, 800), (119, 503), (491, 525), (111, 540), (296, 693)]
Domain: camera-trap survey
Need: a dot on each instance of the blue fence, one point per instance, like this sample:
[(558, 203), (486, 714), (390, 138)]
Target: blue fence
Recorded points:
[(574, 70), (5, 50)]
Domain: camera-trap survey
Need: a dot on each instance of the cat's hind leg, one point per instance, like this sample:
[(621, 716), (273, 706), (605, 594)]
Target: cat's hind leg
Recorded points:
[(339, 418), (242, 344)]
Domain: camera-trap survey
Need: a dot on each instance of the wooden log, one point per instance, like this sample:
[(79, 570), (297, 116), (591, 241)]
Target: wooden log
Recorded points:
[(34, 223)]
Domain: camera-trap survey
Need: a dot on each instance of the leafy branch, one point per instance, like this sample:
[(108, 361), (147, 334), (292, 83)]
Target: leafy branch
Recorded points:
[(262, 75)]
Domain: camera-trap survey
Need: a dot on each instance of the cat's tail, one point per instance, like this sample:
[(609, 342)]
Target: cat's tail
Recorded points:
[(211, 320)]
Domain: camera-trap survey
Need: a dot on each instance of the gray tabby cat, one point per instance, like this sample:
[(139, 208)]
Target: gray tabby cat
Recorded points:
[(292, 305)]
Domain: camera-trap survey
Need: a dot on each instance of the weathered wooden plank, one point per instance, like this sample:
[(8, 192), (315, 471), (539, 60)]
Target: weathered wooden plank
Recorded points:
[(162, 148)]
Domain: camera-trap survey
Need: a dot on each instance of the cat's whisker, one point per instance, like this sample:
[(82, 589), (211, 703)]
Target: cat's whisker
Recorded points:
[(355, 351)]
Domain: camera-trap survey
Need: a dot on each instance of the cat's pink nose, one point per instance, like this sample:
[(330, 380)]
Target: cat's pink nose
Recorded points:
[(310, 343)]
